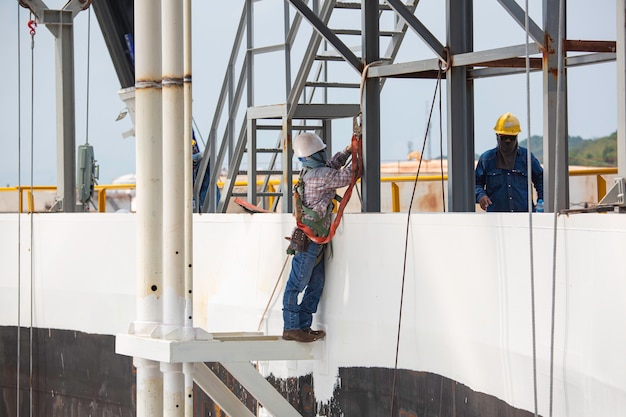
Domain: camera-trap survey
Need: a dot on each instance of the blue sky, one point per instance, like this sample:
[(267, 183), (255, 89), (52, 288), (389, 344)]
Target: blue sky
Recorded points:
[(592, 97)]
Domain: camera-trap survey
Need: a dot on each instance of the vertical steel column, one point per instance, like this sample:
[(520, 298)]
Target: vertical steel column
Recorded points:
[(231, 114), (327, 134), (149, 200), (371, 110), (249, 52), (621, 88), (287, 179), (211, 147), (460, 97), (251, 124), (173, 197), (286, 131), (286, 26), (555, 163), (251, 140), (66, 120), (61, 25), (188, 332)]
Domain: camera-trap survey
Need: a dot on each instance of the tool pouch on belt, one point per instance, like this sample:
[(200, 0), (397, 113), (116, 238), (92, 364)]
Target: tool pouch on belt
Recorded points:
[(299, 241)]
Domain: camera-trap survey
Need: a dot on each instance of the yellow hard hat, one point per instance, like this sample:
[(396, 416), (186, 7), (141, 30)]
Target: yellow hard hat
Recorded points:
[(507, 124)]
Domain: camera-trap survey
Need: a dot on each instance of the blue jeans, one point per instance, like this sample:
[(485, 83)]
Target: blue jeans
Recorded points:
[(307, 271)]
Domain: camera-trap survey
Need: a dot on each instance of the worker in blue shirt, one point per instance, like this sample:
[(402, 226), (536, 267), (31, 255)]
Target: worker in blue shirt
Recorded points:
[(196, 156), (502, 172)]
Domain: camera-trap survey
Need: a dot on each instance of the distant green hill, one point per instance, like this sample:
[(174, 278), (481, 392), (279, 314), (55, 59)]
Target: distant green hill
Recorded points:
[(601, 152)]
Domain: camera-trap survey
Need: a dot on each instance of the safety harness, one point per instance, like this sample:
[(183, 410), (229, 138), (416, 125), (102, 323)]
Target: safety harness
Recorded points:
[(315, 229), (316, 223)]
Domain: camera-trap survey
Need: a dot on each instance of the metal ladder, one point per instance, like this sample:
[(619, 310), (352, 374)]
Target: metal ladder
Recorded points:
[(247, 128)]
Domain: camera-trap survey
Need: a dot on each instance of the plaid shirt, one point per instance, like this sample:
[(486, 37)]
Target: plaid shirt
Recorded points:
[(320, 185)]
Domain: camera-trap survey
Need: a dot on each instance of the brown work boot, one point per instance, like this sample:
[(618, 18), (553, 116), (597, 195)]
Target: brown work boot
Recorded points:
[(299, 335), (317, 333)]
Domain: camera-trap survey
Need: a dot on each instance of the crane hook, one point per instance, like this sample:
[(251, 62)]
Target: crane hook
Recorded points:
[(32, 24)]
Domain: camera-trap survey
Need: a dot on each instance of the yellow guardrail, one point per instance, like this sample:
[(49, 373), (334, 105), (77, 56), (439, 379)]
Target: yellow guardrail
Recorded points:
[(101, 190), (29, 190)]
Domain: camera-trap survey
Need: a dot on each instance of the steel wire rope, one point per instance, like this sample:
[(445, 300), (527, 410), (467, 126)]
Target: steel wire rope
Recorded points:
[(558, 127), (19, 212), (530, 208), (31, 210), (267, 306), (406, 241)]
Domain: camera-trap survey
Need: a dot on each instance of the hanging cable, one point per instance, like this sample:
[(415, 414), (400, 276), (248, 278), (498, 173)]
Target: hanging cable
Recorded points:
[(31, 24), (559, 121), (19, 212), (406, 243), (273, 292), (530, 209)]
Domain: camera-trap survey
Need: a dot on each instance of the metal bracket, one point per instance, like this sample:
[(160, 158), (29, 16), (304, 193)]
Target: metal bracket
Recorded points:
[(615, 196)]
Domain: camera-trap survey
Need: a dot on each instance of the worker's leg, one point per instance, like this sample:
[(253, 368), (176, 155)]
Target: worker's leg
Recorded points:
[(313, 292), (302, 267)]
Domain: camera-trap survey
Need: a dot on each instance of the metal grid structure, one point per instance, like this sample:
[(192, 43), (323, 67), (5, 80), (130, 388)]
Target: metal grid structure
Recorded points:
[(456, 54)]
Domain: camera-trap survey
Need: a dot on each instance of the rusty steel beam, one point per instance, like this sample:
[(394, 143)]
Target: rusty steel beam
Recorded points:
[(589, 46)]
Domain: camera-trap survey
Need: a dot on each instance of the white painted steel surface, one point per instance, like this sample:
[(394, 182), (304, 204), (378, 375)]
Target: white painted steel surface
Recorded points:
[(174, 202), (149, 151), (149, 155), (466, 308), (173, 165)]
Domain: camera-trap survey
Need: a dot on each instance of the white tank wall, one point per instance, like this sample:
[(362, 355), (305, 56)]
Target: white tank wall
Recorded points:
[(467, 298)]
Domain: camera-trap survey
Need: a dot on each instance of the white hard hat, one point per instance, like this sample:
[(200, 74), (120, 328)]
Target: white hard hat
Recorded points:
[(306, 144)]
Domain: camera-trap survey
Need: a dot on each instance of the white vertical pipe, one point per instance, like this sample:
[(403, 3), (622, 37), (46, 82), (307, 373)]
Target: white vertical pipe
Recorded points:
[(188, 371), (148, 159), (149, 388), (188, 266), (188, 333), (173, 166), (173, 401), (148, 132), (173, 197)]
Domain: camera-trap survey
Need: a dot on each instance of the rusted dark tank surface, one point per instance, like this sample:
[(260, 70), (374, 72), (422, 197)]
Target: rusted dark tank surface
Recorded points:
[(73, 374), (78, 375), (368, 391)]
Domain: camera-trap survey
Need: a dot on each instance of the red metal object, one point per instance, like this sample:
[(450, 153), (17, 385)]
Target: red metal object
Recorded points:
[(32, 25)]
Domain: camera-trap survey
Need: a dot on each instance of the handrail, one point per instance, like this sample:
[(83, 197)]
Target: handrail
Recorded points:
[(102, 189), (29, 190)]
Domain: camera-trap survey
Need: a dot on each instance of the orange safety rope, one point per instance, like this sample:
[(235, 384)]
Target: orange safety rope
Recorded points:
[(357, 169)]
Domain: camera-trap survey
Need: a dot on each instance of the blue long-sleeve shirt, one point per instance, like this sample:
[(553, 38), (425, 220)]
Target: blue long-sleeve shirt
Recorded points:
[(507, 189)]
